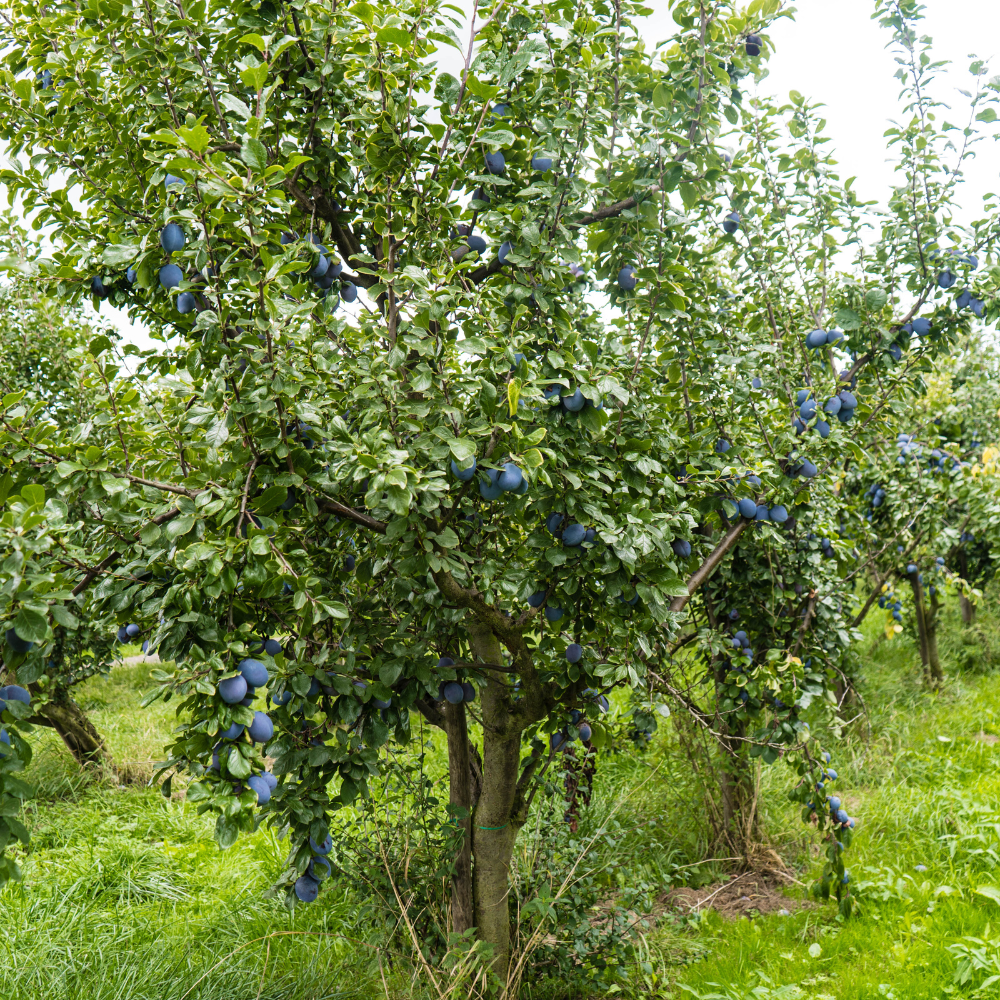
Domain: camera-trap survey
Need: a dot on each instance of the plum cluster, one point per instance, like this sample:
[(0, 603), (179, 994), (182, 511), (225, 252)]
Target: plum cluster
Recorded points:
[(889, 601), (454, 692)]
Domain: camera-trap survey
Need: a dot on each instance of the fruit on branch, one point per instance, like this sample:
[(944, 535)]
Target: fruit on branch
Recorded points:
[(816, 339), (574, 535), (254, 672), (170, 276), (574, 652), (492, 490), (574, 403), (349, 291), (753, 45), (541, 164), (261, 729), (731, 222), (496, 163), (627, 278), (453, 693), (18, 644), (306, 888), (172, 238), (747, 508), (257, 784), (233, 689), (463, 475), (186, 302), (511, 478), (681, 547)]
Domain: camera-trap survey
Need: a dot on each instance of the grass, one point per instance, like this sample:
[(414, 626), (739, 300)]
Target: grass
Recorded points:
[(127, 897)]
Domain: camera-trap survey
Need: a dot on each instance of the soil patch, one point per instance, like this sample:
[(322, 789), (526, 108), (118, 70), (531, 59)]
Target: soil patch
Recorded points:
[(987, 737), (748, 894)]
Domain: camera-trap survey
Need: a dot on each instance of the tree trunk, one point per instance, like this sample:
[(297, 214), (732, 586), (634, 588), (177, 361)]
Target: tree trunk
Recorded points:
[(932, 646), (918, 609), (967, 607), (498, 813), (736, 785), (82, 740), (460, 797)]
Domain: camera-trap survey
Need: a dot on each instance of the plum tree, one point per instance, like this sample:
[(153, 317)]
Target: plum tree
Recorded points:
[(582, 443)]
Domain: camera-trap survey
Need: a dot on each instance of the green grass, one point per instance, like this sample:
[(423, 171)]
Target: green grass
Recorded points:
[(126, 895)]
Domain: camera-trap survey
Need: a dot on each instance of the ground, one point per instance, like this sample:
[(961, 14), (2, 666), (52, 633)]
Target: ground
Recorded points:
[(126, 896)]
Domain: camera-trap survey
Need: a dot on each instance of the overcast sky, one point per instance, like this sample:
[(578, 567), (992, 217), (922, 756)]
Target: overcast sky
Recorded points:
[(836, 54)]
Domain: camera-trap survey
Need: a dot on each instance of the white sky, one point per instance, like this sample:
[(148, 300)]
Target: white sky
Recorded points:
[(834, 53)]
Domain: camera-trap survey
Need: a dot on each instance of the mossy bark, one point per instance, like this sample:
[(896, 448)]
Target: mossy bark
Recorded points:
[(82, 739)]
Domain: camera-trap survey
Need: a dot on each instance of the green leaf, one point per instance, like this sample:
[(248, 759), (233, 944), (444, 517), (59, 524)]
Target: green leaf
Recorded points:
[(847, 319), (255, 40), (875, 299), (62, 615), (662, 96), (118, 254), (253, 154), (389, 673), (989, 891), (30, 625), (513, 394), (226, 832), (497, 137), (394, 36), (473, 345), (218, 434), (179, 526), (99, 345), (237, 765), (270, 499), (33, 494), (363, 11), (196, 139)]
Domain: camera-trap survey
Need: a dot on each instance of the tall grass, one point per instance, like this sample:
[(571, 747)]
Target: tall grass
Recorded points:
[(126, 895)]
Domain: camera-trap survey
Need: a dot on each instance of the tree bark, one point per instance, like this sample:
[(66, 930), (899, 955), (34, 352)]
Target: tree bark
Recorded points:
[(500, 811), (82, 740), (968, 609), (460, 797), (931, 621), (918, 609)]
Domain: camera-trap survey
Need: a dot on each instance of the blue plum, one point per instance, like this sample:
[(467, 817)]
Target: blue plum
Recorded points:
[(170, 275), (233, 689), (511, 478), (254, 672), (261, 729), (463, 475), (172, 238)]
